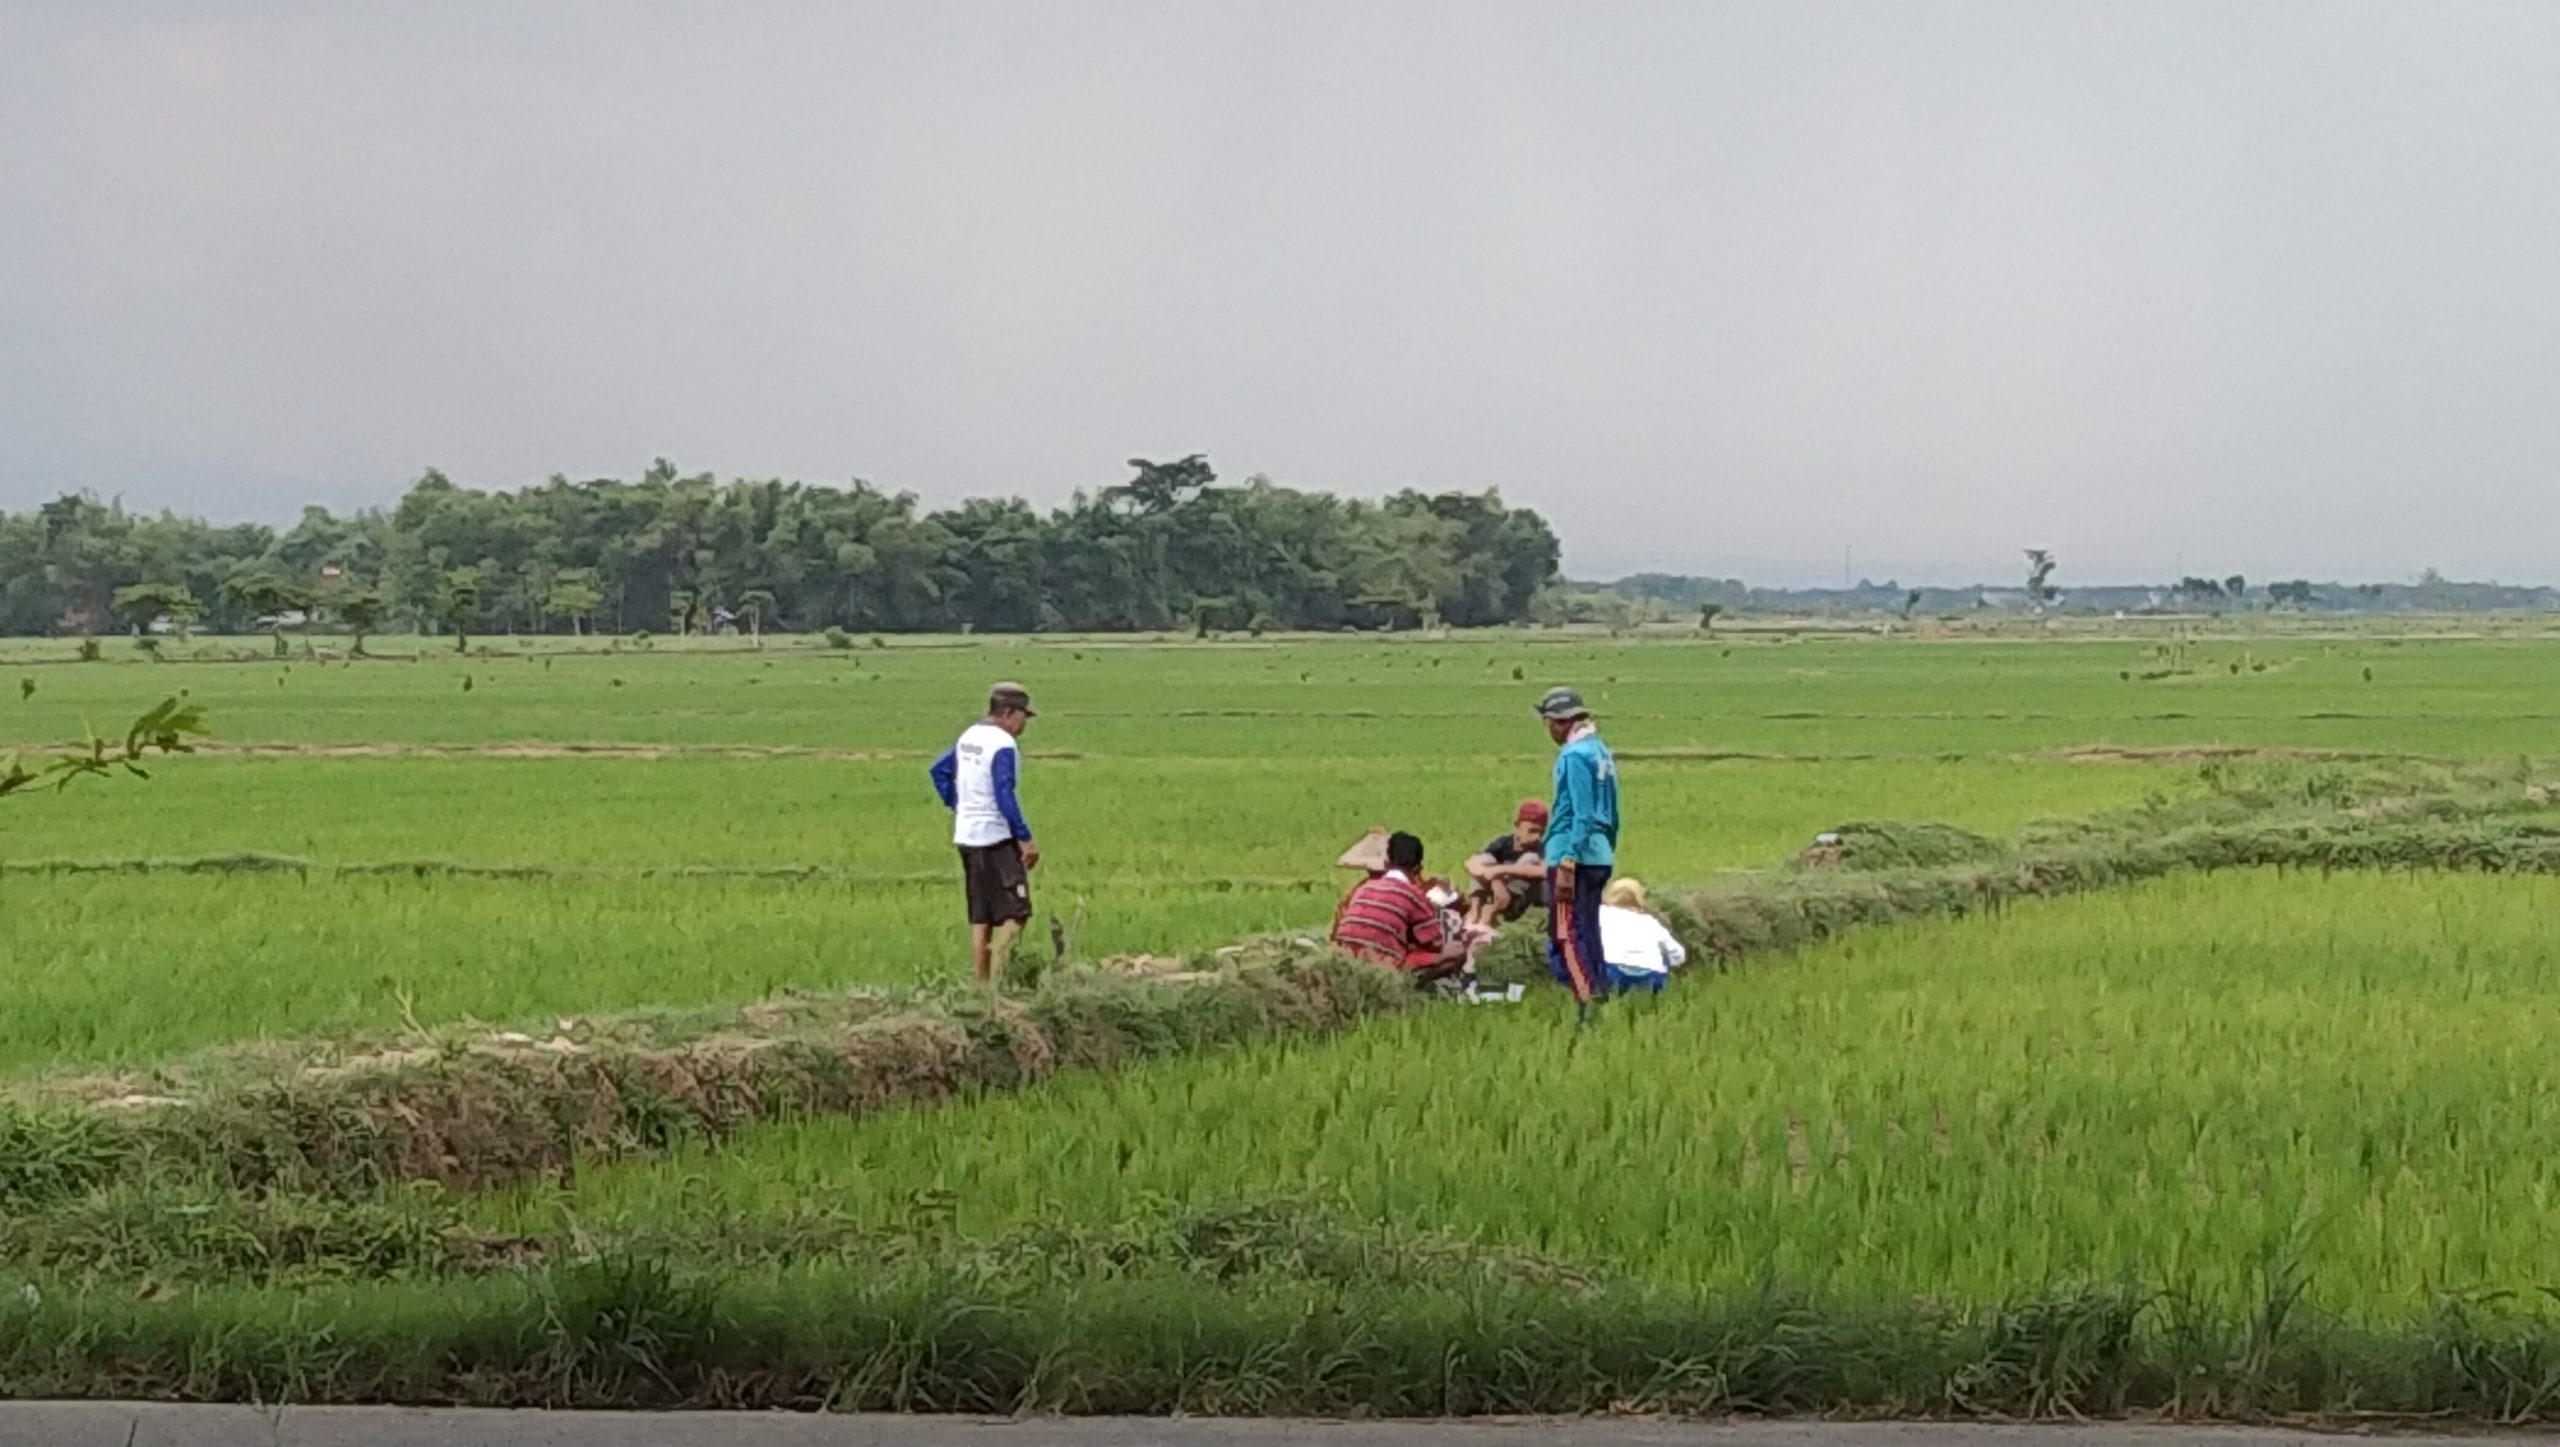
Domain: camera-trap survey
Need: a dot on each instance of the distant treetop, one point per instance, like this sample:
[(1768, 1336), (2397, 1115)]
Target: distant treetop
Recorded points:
[(1167, 548)]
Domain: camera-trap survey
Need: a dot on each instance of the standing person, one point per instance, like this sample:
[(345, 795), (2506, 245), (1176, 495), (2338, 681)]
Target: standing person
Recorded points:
[(1582, 845), (977, 780), (1510, 874)]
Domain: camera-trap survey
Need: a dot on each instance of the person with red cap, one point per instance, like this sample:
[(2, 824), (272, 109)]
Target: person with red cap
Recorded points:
[(1510, 872)]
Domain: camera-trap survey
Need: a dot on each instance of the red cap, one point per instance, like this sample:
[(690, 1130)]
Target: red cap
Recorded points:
[(1530, 809)]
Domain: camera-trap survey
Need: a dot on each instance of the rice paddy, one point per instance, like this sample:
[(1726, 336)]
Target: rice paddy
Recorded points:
[(2260, 1131), (1218, 819), (2193, 1086)]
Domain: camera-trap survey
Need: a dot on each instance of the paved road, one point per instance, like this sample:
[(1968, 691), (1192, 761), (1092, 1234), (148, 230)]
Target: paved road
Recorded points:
[(104, 1424)]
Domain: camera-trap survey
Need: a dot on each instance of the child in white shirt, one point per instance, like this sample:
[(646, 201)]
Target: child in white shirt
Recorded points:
[(1637, 948)]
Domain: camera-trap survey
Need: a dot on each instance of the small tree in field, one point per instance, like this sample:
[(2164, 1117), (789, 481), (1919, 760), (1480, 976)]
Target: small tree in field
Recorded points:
[(144, 604), (1708, 613), (361, 610), (268, 596), (757, 605), (576, 597), (458, 605)]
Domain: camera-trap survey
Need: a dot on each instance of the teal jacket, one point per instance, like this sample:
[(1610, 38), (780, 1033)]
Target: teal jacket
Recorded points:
[(1582, 827)]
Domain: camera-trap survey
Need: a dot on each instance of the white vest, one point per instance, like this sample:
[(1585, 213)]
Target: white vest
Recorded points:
[(975, 819)]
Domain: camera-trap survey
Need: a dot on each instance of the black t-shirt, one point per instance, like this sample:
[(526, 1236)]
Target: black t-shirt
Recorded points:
[(1506, 850)]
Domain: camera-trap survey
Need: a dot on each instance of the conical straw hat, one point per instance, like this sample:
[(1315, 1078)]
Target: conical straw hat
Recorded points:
[(1369, 854)]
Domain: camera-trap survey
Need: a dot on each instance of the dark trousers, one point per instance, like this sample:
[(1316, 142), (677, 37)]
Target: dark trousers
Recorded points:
[(1573, 935)]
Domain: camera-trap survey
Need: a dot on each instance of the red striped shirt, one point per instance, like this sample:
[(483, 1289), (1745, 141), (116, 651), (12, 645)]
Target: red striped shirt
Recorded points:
[(1390, 920)]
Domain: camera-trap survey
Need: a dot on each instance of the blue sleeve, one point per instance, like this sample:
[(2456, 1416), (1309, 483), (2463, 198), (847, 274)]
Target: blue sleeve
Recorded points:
[(1577, 795), (946, 778), (1007, 771)]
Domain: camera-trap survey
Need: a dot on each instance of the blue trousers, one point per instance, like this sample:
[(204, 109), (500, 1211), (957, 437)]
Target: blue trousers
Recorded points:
[(1573, 935), (1629, 982)]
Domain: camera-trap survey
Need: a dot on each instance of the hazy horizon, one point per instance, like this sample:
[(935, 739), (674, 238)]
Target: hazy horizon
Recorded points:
[(1751, 290)]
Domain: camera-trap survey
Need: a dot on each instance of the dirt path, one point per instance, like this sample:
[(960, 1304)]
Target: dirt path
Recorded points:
[(107, 1424)]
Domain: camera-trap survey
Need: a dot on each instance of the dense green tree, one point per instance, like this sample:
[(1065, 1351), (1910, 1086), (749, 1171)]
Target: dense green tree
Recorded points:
[(1168, 548)]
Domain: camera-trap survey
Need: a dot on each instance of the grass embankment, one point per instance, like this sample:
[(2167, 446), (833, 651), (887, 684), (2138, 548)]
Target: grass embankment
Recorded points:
[(234, 1246)]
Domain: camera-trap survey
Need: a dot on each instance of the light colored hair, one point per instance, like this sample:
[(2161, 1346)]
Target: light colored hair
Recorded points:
[(1624, 893)]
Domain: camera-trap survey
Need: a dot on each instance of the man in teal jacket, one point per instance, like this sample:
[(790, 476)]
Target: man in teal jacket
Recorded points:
[(1582, 843)]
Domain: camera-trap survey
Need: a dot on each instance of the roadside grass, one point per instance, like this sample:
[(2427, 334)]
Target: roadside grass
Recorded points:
[(625, 1331)]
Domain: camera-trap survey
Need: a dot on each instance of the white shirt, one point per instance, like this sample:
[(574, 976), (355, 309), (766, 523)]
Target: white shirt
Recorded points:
[(976, 820), (1637, 942)]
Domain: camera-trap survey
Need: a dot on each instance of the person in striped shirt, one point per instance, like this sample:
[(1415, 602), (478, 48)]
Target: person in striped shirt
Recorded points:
[(1390, 918)]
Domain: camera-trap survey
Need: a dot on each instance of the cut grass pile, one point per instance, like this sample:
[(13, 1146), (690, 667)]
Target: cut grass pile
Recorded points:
[(471, 1108)]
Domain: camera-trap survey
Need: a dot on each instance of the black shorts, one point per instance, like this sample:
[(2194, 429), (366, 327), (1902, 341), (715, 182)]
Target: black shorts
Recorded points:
[(999, 887), (1526, 894)]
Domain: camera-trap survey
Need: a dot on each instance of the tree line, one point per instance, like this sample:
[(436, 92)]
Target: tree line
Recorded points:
[(1169, 548)]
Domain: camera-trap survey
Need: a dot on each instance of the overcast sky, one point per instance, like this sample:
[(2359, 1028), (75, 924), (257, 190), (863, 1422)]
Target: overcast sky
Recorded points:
[(1724, 288)]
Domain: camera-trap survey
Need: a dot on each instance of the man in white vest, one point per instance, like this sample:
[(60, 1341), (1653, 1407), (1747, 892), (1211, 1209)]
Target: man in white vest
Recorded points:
[(977, 780)]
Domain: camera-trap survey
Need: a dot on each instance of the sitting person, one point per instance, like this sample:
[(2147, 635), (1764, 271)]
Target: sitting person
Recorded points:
[(1390, 918), (1636, 948), (1511, 872)]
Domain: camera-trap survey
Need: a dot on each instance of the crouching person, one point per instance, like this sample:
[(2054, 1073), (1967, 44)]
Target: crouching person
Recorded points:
[(1510, 873), (1390, 918), (1636, 948)]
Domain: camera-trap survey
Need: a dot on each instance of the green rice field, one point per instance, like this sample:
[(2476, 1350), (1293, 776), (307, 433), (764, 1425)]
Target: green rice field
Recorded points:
[(2251, 1142), (1185, 797), (2190, 1085)]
